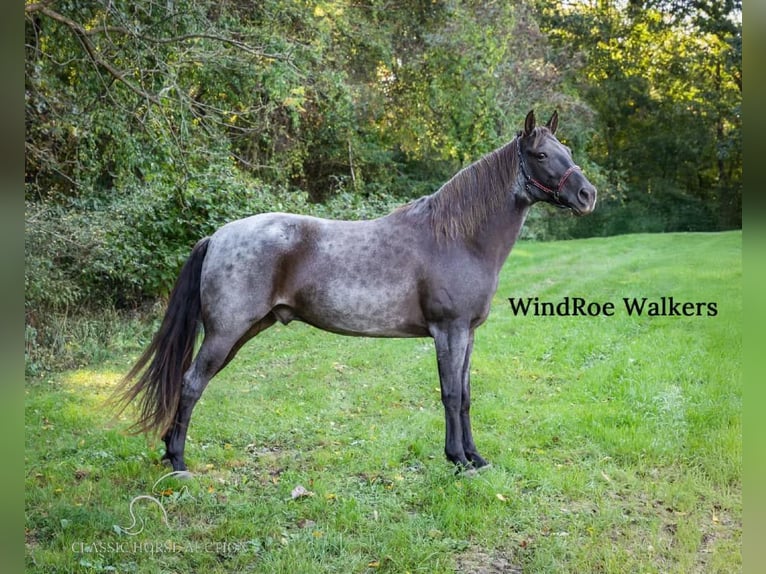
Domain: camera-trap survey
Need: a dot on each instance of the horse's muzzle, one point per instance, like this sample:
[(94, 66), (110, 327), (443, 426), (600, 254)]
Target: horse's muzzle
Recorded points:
[(585, 201)]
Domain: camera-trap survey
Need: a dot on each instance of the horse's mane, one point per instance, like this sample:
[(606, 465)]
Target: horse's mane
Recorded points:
[(466, 201)]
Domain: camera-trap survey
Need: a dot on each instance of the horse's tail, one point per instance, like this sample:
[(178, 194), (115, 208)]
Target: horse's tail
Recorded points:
[(164, 362)]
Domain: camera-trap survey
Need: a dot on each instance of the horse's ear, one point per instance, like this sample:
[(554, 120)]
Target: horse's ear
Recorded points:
[(529, 123), (553, 123)]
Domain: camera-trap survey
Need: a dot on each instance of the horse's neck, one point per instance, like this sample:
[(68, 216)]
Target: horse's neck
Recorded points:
[(496, 237), (499, 233)]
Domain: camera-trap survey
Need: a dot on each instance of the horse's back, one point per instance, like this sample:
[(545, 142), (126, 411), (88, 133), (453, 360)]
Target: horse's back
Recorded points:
[(353, 277)]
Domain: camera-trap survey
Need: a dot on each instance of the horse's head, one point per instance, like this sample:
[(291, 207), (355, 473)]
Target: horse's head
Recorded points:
[(549, 172)]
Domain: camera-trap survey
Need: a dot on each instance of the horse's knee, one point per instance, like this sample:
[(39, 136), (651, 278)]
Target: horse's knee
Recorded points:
[(451, 400)]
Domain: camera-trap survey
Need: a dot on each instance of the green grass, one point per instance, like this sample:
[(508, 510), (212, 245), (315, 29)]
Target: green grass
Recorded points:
[(615, 441)]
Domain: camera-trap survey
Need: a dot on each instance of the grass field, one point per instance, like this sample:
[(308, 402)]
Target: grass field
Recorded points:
[(615, 441)]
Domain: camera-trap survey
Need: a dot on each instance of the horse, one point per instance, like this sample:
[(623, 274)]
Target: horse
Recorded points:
[(427, 269)]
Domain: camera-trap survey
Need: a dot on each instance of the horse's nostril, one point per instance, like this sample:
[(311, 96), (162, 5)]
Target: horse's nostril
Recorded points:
[(586, 195)]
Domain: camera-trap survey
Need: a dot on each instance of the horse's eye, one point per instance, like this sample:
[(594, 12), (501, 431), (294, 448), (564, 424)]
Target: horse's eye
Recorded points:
[(542, 155)]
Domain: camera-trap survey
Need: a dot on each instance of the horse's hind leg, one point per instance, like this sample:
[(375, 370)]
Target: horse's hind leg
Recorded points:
[(210, 359), (214, 354)]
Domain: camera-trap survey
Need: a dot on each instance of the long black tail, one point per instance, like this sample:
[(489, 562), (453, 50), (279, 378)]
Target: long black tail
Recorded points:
[(158, 388)]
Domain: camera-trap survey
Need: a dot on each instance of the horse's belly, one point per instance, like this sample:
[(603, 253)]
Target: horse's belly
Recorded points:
[(357, 309)]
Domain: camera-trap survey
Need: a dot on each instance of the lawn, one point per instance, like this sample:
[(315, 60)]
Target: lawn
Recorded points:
[(615, 440)]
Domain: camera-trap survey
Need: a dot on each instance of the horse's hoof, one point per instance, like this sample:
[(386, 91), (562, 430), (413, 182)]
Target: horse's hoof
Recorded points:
[(179, 472), (182, 475), (484, 467), (470, 470)]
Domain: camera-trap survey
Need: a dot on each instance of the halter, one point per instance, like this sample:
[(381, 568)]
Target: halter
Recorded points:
[(529, 179)]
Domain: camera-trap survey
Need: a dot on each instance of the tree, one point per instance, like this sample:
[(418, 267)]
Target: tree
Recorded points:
[(665, 79)]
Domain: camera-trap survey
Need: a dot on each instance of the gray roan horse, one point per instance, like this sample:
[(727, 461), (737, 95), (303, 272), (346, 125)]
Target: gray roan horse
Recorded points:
[(428, 269)]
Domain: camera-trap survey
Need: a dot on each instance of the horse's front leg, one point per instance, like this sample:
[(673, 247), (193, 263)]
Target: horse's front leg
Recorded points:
[(452, 342), (471, 453)]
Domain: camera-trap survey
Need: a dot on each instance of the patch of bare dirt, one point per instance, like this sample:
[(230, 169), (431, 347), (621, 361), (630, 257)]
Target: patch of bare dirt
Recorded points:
[(480, 561)]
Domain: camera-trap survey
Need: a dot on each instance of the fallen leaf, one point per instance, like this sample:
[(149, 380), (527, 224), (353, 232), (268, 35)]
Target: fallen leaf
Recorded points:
[(501, 498)]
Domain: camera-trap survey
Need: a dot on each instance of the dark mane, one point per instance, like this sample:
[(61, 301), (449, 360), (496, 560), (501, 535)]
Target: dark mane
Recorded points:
[(464, 203)]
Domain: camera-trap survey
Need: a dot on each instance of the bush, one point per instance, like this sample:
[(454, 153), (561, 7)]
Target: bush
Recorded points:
[(75, 338)]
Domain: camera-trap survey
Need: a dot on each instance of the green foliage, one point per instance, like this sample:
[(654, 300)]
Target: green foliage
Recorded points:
[(665, 81), (75, 338)]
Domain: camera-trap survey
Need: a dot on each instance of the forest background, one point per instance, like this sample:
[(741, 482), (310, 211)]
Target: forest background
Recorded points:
[(149, 124)]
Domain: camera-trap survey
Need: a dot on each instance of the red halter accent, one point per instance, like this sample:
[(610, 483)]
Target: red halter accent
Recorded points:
[(562, 181)]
